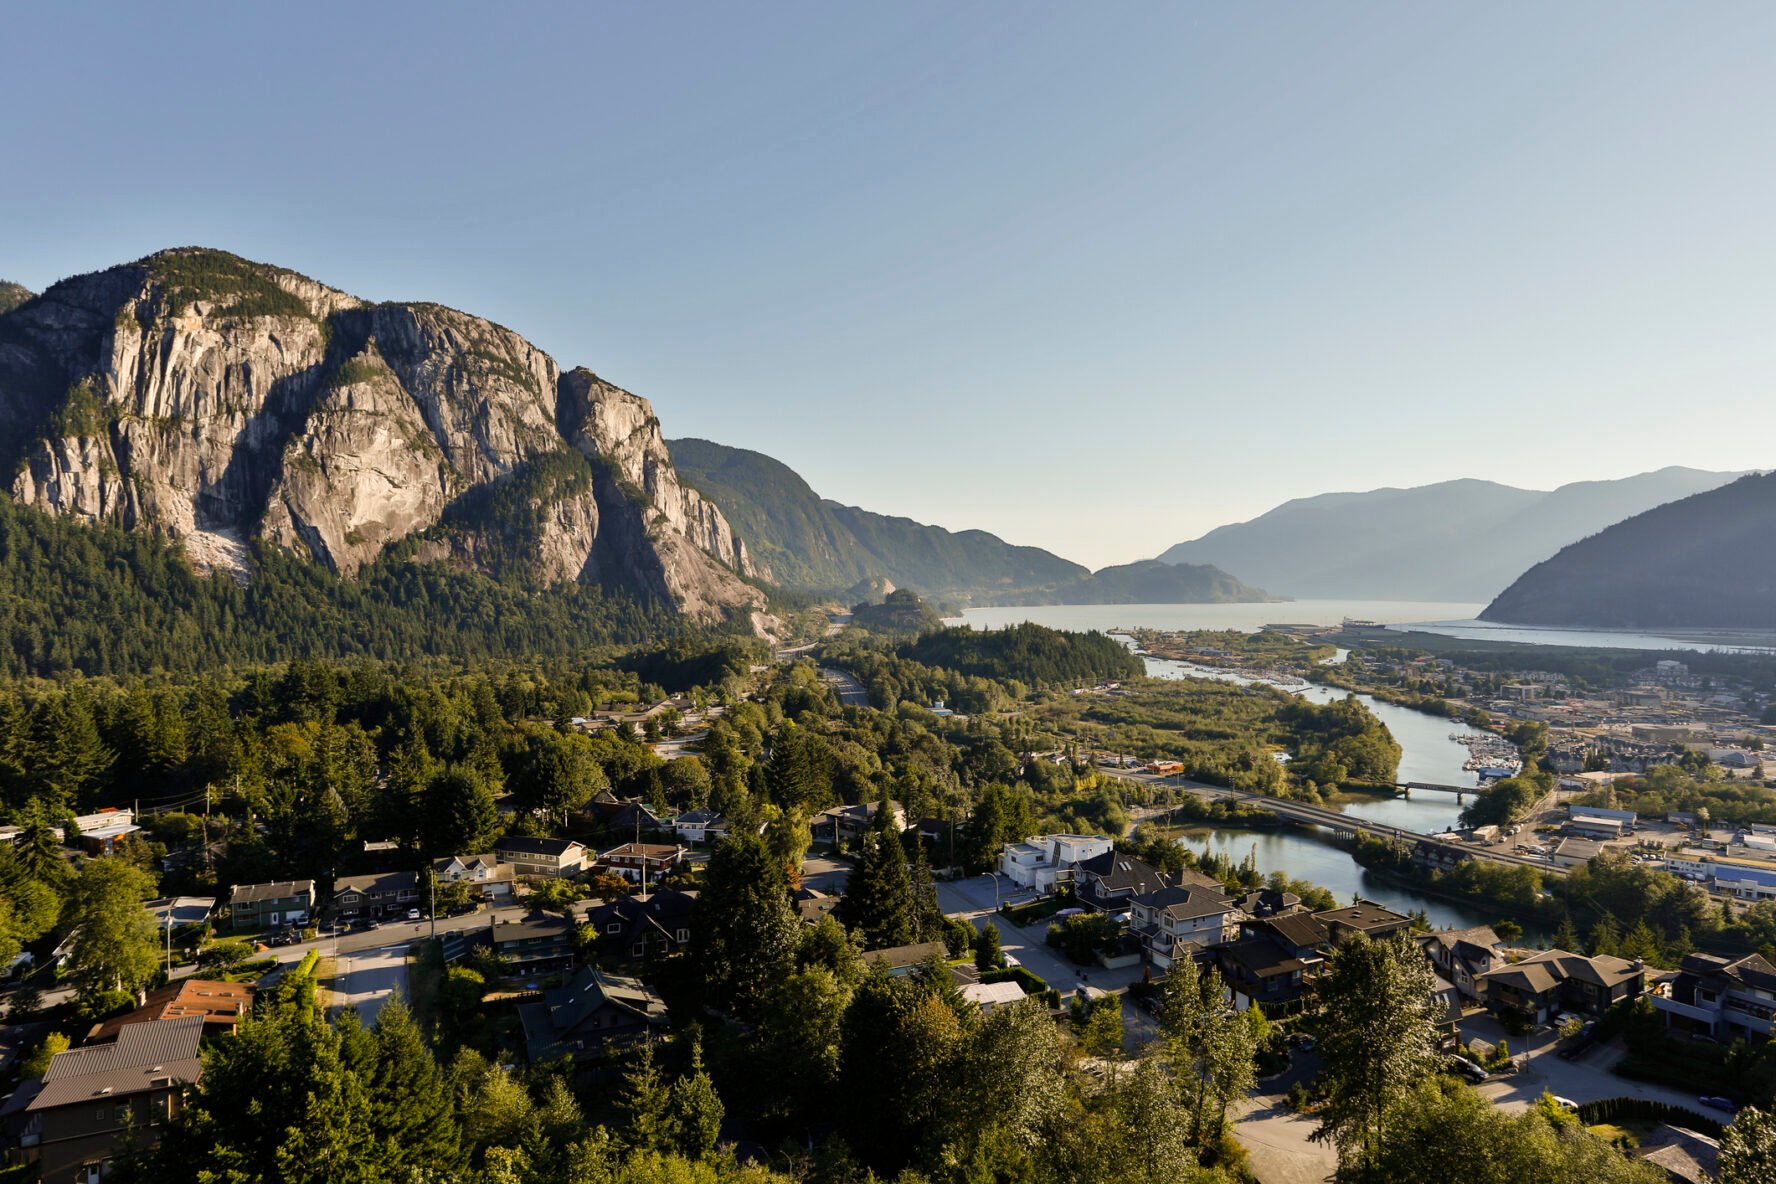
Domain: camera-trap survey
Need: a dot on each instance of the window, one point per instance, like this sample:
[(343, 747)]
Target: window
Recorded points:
[(684, 935), (614, 927), (638, 949), (101, 1114)]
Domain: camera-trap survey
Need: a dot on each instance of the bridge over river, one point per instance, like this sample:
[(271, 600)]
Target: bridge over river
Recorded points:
[(1339, 823)]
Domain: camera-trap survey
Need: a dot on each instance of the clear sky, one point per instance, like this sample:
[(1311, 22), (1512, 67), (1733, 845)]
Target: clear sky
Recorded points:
[(1094, 277)]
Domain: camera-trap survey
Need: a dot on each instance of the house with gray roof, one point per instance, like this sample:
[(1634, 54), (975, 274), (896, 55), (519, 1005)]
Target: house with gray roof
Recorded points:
[(597, 1011), (253, 907), (94, 1097)]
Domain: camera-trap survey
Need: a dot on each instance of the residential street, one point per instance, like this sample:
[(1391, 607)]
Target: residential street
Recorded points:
[(1587, 1079)]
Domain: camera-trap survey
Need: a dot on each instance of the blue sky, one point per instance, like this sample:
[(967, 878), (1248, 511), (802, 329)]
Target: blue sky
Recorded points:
[(1095, 277)]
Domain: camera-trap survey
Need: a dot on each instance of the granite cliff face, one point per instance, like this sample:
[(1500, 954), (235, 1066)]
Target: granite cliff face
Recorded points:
[(219, 401)]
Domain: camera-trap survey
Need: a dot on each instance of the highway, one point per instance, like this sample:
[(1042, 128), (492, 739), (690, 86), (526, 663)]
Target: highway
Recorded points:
[(850, 691)]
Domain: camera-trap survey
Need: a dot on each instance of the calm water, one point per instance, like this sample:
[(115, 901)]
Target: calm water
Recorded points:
[(1302, 858), (1426, 751), (1732, 641), (1247, 618)]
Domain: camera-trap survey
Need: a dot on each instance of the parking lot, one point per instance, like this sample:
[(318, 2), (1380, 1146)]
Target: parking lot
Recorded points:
[(1586, 1079), (973, 900)]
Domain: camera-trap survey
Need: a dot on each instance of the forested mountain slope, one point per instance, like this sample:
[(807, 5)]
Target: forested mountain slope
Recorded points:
[(1708, 561), (813, 543)]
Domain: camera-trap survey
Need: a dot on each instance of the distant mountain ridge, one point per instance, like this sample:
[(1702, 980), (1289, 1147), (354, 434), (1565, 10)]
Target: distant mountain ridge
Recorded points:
[(1707, 561), (1462, 540), (814, 543)]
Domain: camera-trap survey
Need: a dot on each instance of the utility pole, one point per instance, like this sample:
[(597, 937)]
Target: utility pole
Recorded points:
[(434, 881)]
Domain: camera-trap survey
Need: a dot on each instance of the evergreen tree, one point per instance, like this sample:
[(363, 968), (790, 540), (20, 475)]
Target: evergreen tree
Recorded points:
[(645, 1103), (1748, 1149), (746, 933), (878, 900), (986, 948), (459, 816), (410, 1112), (695, 1108), (1378, 1040)]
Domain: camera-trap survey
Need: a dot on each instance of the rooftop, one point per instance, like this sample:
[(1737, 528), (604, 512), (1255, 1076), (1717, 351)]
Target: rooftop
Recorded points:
[(146, 1056), (279, 890)]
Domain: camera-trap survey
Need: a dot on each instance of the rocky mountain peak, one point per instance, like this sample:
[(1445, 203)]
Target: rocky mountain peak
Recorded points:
[(217, 400)]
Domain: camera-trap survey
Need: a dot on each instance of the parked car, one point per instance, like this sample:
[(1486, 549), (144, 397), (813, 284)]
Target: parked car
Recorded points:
[(413, 914), (1719, 1103), (1471, 1071), (1566, 1104)]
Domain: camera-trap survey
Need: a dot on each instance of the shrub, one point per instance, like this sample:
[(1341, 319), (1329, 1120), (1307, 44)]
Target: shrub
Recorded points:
[(1615, 1111), (223, 956)]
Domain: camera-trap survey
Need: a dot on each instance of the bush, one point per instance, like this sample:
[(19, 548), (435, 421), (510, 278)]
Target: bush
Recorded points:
[(1615, 1111), (1031, 984), (222, 956), (1081, 937)]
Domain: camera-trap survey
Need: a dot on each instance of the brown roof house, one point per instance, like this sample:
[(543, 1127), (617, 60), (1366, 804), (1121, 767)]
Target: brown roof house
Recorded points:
[(1365, 917), (1538, 986), (219, 1004), (93, 1096)]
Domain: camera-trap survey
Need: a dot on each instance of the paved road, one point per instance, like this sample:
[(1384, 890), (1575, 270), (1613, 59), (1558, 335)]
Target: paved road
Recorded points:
[(972, 900), (1587, 1079), (366, 979), (851, 692)]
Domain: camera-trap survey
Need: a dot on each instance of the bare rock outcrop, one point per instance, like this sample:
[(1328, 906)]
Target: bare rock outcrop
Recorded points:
[(216, 400)]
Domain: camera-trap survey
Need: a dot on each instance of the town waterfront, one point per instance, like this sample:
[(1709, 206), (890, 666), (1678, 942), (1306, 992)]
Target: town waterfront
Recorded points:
[(1427, 752)]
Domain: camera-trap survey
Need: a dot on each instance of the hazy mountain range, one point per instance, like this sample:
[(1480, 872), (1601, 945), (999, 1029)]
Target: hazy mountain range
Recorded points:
[(1461, 540), (813, 543), (1708, 561)]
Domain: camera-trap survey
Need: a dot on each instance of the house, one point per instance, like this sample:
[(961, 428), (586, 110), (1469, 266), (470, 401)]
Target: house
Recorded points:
[(844, 824), (95, 1096), (1462, 955), (1576, 852), (1107, 882), (1448, 1013), (540, 942), (253, 907), (625, 816), (1685, 1155), (491, 877), (596, 1011), (1552, 980), (1268, 902), (648, 925), (641, 862), (1273, 959), (1044, 863), (219, 1004), (188, 913), (1365, 917), (1175, 923), (98, 833), (812, 904), (700, 826), (1726, 998), (377, 894), (540, 858), (987, 996), (899, 960)]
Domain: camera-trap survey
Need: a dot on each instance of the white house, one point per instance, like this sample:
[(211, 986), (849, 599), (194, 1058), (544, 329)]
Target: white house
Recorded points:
[(1175, 923), (987, 996), (1048, 860), (700, 826)]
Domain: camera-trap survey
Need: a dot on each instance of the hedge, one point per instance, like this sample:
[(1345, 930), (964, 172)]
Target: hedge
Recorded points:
[(1620, 1110), (1031, 984)]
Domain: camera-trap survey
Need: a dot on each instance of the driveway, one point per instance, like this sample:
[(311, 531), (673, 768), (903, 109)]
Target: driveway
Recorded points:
[(825, 875), (1587, 1079), (972, 900), (365, 979)]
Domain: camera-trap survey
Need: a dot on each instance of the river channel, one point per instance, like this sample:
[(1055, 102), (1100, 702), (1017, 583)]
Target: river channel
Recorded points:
[(1427, 753)]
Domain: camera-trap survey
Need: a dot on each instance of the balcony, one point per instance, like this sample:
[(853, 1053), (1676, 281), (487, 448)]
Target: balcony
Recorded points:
[(1703, 1015)]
